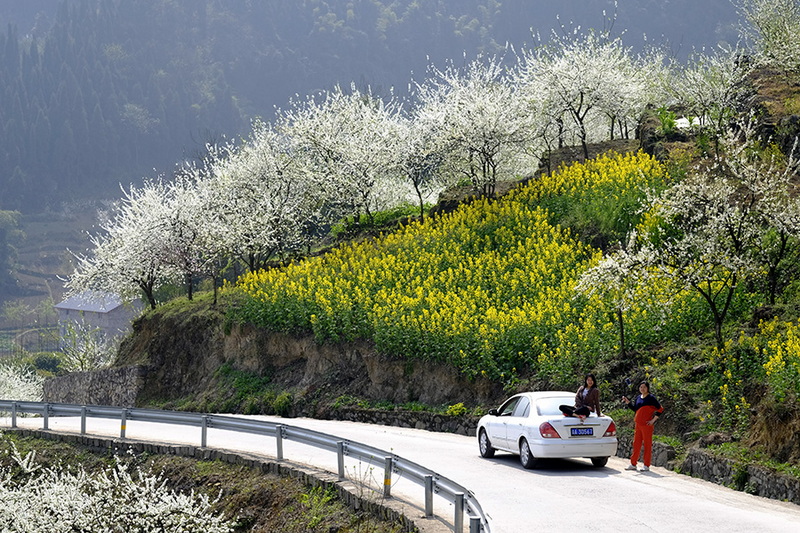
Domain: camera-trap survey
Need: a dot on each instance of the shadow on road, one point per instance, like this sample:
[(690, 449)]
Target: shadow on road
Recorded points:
[(565, 467)]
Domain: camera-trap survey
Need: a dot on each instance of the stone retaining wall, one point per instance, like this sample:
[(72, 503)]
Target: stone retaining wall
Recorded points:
[(752, 479), (460, 425), (348, 493), (111, 386)]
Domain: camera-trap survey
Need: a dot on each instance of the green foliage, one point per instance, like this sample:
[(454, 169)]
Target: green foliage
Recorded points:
[(241, 382), (379, 220), (347, 400), (283, 404), (667, 121), (704, 143), (317, 504), (457, 409), (415, 406)]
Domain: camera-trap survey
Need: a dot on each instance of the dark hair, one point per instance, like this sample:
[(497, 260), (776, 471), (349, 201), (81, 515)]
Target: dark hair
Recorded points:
[(594, 380), (646, 384)]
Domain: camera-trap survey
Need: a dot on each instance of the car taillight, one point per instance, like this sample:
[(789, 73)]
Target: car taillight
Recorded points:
[(547, 431), (611, 431)]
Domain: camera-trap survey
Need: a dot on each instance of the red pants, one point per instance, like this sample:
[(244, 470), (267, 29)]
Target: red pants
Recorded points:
[(643, 434)]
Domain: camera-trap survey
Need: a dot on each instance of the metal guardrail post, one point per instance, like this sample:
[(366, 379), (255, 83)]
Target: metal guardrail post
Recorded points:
[(474, 524), (279, 441), (46, 421), (204, 432), (83, 420), (387, 477), (428, 496), (123, 422), (340, 459), (458, 520), (14, 415)]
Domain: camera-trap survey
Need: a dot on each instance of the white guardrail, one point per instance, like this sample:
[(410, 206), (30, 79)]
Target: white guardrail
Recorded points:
[(463, 500)]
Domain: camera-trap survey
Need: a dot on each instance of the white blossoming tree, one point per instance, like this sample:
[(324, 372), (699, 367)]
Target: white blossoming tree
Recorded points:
[(85, 348), (579, 79), (712, 87), (257, 207), (615, 280), (188, 246), (345, 147), (128, 255), (482, 128), (711, 235), (419, 158), (774, 27)]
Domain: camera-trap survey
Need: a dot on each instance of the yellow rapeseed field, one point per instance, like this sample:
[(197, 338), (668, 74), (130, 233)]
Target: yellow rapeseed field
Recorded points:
[(488, 288)]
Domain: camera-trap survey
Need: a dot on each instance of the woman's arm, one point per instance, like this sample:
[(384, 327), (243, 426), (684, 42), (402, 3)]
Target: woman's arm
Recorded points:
[(579, 397), (595, 400)]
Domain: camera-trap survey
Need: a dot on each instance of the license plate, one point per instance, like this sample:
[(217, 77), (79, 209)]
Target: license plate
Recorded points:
[(581, 432)]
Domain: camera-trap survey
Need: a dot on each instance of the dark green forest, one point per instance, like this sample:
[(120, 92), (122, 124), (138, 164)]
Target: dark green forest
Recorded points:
[(101, 92)]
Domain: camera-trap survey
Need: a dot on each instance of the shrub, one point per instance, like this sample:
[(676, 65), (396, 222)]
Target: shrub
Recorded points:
[(283, 404), (456, 410), (42, 500)]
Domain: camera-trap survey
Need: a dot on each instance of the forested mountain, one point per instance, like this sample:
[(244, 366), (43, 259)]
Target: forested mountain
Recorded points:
[(98, 92)]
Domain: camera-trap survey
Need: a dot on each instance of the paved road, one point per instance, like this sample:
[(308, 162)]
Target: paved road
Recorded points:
[(563, 495)]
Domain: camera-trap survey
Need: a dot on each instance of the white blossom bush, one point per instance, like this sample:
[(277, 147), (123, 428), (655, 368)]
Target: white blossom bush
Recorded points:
[(17, 383), (774, 27), (712, 87), (54, 500), (85, 348)]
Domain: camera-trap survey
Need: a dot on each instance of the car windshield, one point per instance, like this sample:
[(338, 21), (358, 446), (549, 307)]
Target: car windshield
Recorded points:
[(549, 406)]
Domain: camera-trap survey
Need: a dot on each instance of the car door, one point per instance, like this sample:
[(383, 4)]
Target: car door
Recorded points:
[(517, 423), (496, 426)]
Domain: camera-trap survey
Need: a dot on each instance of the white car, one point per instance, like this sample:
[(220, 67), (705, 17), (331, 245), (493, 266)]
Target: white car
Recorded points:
[(530, 424)]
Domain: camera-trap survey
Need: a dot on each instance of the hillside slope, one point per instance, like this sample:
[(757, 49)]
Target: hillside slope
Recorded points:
[(197, 357)]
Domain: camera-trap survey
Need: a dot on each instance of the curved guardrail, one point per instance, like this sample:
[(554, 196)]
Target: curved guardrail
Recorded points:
[(463, 500)]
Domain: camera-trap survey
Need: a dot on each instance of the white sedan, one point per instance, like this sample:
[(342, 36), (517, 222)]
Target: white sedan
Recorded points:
[(530, 424)]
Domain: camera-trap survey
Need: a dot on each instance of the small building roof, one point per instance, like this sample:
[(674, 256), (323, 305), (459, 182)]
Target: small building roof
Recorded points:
[(93, 301)]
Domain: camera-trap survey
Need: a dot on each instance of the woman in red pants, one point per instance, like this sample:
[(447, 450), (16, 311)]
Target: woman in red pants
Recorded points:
[(647, 411)]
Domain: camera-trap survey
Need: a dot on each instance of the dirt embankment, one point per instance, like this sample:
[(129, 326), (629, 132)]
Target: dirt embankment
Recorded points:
[(181, 355)]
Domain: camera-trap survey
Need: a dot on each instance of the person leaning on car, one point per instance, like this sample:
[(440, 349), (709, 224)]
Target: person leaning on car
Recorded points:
[(647, 409), (587, 399)]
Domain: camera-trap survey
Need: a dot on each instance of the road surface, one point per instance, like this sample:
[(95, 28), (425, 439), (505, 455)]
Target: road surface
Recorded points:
[(561, 495)]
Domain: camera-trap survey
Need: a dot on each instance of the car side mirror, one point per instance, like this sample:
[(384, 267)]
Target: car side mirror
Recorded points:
[(493, 412)]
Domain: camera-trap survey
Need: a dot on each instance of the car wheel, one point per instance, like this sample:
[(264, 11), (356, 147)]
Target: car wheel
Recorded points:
[(599, 461), (484, 444), (525, 456)]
